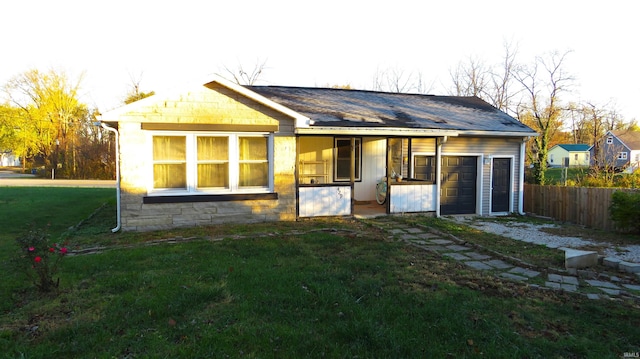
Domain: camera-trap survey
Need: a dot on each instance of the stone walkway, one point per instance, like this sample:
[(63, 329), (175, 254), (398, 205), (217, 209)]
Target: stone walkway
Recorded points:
[(593, 285)]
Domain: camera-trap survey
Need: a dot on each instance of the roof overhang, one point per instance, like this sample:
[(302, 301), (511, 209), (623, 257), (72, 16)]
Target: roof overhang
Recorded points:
[(375, 131), (498, 134)]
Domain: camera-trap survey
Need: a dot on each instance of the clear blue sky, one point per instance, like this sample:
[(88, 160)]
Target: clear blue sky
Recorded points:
[(316, 43)]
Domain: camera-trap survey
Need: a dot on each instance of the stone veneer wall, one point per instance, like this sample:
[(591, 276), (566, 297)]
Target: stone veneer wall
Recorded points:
[(137, 216)]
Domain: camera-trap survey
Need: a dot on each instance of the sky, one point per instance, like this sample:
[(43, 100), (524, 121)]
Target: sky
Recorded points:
[(113, 44)]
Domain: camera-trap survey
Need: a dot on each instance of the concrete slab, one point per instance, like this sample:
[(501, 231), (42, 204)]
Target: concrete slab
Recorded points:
[(574, 258), (593, 296), (601, 284), (512, 276), (458, 248), (569, 287), (457, 256), (478, 265), (429, 236), (557, 278), (477, 256), (408, 237), (397, 231), (499, 264), (569, 280), (629, 267), (524, 271)]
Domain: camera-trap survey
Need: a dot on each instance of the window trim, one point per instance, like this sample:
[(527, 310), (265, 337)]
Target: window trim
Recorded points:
[(192, 166), (609, 140), (622, 156)]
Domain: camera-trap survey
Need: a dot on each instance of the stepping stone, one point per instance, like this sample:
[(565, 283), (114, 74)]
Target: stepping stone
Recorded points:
[(601, 284), (429, 236), (436, 248), (524, 271), (553, 285), (629, 267), (569, 280), (408, 237), (569, 287), (397, 231), (513, 276), (497, 263), (632, 286), (478, 265), (458, 248), (477, 256), (611, 262), (441, 241), (610, 291), (593, 296), (414, 230), (555, 278), (578, 259), (457, 256)]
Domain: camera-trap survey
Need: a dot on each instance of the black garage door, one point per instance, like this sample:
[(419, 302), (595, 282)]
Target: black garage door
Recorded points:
[(458, 185)]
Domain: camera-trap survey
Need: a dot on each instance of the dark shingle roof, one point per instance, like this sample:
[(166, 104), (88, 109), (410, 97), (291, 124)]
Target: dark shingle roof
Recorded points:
[(630, 138), (356, 108)]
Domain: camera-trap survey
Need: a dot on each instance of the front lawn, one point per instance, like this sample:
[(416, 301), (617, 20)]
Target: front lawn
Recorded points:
[(326, 288)]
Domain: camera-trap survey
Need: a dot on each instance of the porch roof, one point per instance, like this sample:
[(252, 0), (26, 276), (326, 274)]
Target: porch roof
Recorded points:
[(368, 112)]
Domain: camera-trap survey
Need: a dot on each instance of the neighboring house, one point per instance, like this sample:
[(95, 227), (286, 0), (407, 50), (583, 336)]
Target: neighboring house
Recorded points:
[(567, 155), (7, 159), (617, 149), (221, 153)]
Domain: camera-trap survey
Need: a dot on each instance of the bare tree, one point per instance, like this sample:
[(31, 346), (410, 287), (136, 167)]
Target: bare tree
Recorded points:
[(470, 78), (135, 93), (543, 83), (397, 80), (242, 76)]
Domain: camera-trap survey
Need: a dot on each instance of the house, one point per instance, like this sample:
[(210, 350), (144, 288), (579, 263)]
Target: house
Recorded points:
[(569, 155), (617, 149), (8, 159), (221, 152)]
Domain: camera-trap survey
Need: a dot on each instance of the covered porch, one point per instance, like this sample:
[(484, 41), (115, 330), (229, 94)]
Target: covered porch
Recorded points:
[(362, 174)]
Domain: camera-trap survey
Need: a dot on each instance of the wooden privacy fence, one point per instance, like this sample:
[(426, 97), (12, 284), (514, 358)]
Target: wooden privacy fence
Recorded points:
[(587, 206)]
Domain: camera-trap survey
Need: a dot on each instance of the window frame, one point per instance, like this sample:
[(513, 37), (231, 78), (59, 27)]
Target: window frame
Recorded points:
[(609, 140), (358, 174), (622, 156), (192, 162)]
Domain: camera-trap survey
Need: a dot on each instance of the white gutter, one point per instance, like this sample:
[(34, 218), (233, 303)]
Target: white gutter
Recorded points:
[(118, 217), (439, 143), (523, 145)]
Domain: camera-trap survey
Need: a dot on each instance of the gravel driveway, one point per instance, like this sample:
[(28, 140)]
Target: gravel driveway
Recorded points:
[(531, 233)]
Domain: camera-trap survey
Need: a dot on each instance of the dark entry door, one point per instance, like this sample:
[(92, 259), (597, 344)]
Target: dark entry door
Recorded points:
[(500, 185), (458, 185)]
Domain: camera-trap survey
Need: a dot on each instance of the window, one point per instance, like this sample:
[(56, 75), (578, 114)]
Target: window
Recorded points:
[(211, 163), (342, 166), (575, 157), (622, 155), (609, 140)]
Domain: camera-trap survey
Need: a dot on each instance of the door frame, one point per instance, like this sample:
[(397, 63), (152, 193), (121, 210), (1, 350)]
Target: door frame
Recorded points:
[(511, 181)]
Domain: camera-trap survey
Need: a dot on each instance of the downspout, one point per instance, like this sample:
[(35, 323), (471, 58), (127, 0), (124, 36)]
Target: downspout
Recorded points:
[(439, 142), (118, 217), (523, 145)]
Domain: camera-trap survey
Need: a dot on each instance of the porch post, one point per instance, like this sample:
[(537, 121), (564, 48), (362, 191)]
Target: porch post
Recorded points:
[(352, 173)]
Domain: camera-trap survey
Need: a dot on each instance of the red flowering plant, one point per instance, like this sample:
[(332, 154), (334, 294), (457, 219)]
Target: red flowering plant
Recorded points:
[(40, 258)]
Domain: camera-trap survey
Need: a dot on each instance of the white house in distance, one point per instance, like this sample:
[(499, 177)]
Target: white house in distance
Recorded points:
[(217, 152), (569, 155)]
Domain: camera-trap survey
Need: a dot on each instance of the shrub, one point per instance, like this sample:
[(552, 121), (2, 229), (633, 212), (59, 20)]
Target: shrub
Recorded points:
[(39, 259), (625, 210)]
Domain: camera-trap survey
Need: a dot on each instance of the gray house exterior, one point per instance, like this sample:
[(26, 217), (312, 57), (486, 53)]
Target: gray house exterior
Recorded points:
[(617, 149), (219, 152)]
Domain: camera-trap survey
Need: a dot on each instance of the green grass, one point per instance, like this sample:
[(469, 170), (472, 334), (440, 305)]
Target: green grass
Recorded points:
[(292, 290)]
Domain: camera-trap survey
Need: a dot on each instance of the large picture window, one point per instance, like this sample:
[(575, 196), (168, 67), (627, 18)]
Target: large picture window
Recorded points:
[(342, 165), (211, 163)]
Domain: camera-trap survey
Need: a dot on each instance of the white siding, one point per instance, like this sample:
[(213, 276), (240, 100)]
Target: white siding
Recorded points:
[(374, 154), (324, 201), (412, 198)]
